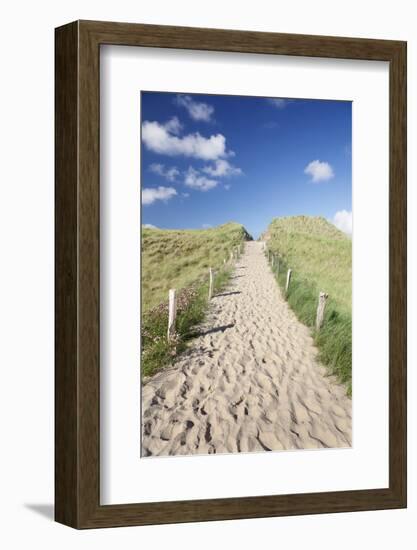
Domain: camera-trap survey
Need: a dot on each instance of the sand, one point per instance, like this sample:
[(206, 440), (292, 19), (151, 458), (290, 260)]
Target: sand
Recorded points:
[(251, 380)]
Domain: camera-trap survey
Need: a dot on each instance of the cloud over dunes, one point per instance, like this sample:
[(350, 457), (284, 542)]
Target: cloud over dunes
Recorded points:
[(222, 168), (168, 173), (150, 195), (319, 171), (163, 139), (195, 180), (343, 221), (277, 102), (197, 110)]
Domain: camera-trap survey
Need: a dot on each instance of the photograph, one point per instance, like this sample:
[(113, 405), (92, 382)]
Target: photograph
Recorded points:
[(246, 274), (207, 290)]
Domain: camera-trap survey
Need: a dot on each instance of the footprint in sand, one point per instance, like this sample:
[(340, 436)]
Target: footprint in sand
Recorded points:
[(260, 388)]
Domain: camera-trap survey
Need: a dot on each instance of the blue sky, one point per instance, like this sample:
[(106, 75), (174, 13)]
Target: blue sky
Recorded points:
[(210, 159)]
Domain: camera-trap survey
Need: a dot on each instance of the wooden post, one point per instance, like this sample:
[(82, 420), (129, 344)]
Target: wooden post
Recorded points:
[(231, 255), (320, 309), (172, 312), (210, 295), (288, 280), (224, 261)]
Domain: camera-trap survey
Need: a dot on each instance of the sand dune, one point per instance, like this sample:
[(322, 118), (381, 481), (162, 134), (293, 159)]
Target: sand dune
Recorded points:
[(250, 381)]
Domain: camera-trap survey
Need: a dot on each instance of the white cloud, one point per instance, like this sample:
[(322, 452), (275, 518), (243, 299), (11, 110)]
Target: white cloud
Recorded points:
[(196, 109), (195, 180), (185, 195), (149, 226), (168, 173), (319, 171), (157, 169), (161, 138), (277, 102), (150, 195), (222, 168), (173, 126), (343, 221), (206, 225)]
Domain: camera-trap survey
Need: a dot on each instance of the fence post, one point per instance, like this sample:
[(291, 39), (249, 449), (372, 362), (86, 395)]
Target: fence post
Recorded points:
[(224, 261), (231, 255), (320, 309), (210, 295), (288, 280), (172, 312)]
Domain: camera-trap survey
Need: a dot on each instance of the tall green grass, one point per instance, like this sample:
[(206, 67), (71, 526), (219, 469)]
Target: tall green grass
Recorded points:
[(157, 351), (320, 257), (180, 260)]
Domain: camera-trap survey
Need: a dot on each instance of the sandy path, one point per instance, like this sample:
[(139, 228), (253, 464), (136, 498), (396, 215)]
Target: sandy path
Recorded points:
[(249, 382)]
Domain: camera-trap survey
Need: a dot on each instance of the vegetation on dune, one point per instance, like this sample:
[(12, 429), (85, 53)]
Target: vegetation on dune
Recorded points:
[(320, 257), (157, 351), (180, 259)]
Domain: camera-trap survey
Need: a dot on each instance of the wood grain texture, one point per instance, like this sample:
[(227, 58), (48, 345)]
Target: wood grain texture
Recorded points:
[(398, 274), (77, 404), (66, 237)]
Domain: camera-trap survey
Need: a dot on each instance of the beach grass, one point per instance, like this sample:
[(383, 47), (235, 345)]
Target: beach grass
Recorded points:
[(320, 257), (180, 259)]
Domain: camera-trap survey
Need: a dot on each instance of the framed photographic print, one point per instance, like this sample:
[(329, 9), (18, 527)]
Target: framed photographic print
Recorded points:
[(230, 274)]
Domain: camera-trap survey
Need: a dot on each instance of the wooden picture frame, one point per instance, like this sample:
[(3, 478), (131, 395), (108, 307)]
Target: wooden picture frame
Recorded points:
[(77, 382)]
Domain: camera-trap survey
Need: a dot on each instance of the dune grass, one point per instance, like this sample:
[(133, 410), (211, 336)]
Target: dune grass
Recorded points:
[(180, 260), (157, 351), (320, 257)]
